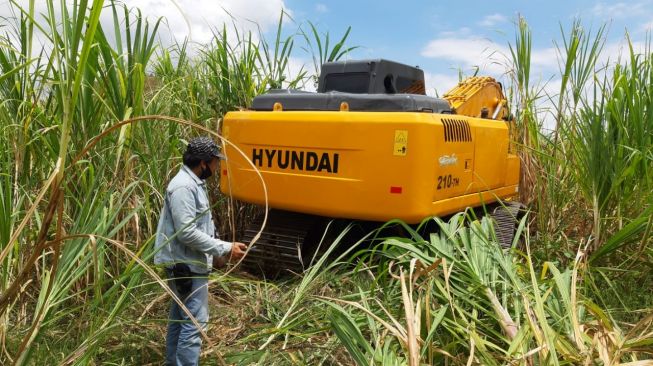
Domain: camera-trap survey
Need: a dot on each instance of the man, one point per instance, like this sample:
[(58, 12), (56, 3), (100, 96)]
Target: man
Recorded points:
[(186, 243)]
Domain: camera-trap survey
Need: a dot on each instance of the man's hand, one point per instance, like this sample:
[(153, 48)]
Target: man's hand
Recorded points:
[(237, 251)]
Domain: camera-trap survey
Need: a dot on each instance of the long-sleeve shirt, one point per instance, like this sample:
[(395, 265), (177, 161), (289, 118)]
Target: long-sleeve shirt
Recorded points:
[(185, 233)]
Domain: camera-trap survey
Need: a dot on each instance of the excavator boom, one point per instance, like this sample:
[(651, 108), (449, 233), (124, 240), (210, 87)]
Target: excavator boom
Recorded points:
[(478, 96)]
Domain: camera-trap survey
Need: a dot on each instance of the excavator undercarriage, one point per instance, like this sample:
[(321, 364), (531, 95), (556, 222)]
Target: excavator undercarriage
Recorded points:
[(291, 242)]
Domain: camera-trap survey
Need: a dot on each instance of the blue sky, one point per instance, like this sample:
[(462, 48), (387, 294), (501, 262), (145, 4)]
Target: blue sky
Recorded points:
[(442, 37)]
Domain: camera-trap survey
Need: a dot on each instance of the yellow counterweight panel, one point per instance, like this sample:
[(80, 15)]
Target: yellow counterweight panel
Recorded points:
[(361, 165), (490, 154)]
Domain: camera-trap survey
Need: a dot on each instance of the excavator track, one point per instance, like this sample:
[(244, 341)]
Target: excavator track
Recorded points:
[(506, 217), (289, 241), (285, 245)]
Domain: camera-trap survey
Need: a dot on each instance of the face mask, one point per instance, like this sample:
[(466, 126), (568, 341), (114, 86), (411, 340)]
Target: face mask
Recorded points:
[(206, 172)]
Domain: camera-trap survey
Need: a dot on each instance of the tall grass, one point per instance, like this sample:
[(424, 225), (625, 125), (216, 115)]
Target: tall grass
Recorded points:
[(598, 147), (321, 51), (454, 297), (76, 222), (44, 259), (75, 229), (588, 180), (466, 301)]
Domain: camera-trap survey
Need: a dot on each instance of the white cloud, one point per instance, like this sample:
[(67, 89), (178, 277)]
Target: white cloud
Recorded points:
[(492, 20), (464, 31), (547, 101), (488, 56), (493, 59), (296, 65), (198, 19), (619, 51), (195, 19), (612, 53), (438, 84), (544, 59), (647, 27), (321, 8), (612, 10), (468, 53), (618, 10), (10, 25)]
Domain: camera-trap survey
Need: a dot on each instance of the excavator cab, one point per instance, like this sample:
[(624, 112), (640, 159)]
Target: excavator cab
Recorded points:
[(371, 77)]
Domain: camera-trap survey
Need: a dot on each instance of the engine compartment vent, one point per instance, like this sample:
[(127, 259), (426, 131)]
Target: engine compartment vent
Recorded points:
[(456, 130)]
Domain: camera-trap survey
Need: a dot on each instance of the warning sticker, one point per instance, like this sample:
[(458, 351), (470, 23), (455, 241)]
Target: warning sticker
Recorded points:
[(401, 143)]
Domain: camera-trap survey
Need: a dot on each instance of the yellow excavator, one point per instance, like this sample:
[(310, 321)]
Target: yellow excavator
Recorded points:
[(369, 145)]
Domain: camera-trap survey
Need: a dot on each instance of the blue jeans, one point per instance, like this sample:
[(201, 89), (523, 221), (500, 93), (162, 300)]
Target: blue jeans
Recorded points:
[(184, 341)]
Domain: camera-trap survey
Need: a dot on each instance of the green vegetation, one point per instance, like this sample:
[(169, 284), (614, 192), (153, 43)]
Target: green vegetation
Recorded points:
[(93, 129)]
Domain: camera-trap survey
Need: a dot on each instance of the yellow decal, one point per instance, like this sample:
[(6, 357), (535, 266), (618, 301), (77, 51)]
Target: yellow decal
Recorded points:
[(401, 143)]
